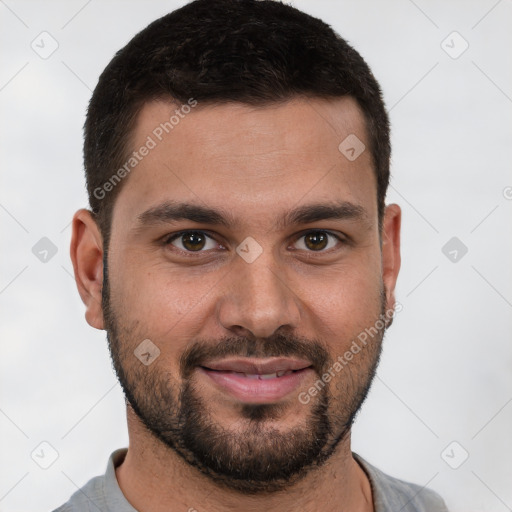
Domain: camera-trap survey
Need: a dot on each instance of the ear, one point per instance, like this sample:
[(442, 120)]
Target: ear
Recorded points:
[(391, 251), (87, 257)]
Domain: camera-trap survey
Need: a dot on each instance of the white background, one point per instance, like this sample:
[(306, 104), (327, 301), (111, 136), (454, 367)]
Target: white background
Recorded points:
[(446, 371)]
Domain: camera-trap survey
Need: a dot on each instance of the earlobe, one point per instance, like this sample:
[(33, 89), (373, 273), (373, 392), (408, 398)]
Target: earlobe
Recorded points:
[(391, 259), (87, 257)]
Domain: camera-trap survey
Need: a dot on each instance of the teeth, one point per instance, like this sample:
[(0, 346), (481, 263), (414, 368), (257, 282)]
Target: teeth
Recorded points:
[(266, 376)]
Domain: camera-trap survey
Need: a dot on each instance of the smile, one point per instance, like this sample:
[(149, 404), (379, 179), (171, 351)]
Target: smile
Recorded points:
[(257, 381)]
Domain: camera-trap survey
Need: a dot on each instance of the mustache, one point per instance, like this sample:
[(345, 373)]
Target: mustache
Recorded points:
[(279, 345)]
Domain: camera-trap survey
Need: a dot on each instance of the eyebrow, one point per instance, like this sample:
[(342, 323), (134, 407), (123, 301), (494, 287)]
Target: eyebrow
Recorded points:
[(171, 211)]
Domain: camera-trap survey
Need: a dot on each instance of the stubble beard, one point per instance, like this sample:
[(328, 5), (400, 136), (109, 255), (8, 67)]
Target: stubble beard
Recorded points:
[(257, 458)]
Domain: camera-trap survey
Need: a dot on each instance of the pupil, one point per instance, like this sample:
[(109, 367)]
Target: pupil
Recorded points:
[(193, 241), (316, 241)]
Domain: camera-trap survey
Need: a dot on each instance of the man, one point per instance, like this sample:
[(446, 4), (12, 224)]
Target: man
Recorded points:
[(240, 256)]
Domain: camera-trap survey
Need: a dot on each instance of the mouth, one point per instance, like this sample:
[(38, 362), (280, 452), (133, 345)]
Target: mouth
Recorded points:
[(257, 380), (263, 376)]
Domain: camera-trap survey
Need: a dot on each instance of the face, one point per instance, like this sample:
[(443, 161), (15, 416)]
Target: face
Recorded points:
[(244, 261)]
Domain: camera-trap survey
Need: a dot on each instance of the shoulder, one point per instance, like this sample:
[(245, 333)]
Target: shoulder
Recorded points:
[(89, 498), (391, 494), (101, 493)]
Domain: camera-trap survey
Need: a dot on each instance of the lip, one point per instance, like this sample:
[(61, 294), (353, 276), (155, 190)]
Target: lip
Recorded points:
[(252, 381)]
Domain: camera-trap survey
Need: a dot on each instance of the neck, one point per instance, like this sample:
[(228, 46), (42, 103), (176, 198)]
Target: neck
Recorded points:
[(153, 478)]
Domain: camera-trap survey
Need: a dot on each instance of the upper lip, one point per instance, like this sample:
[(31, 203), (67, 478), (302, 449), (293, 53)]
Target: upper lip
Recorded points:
[(258, 366)]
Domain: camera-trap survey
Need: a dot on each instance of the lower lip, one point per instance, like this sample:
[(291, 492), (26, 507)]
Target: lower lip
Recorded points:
[(255, 390)]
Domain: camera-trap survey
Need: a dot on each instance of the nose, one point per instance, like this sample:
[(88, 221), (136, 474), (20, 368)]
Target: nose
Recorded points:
[(258, 300)]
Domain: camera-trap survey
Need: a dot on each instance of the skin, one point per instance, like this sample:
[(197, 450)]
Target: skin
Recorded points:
[(257, 164)]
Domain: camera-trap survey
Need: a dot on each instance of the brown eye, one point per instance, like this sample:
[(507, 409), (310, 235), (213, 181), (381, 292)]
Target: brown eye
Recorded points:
[(317, 241), (192, 241)]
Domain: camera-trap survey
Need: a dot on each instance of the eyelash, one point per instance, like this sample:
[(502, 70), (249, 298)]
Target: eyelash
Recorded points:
[(170, 238)]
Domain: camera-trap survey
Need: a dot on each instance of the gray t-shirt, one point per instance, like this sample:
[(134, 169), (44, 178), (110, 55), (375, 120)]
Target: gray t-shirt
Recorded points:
[(103, 494)]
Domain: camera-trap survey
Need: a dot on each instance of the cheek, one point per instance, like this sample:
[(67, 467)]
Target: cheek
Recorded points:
[(344, 305), (158, 303)]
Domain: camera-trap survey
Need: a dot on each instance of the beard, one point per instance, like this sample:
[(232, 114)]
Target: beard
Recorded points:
[(256, 457)]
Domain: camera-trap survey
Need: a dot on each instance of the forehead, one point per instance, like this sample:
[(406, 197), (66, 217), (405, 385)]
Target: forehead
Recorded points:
[(252, 160)]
